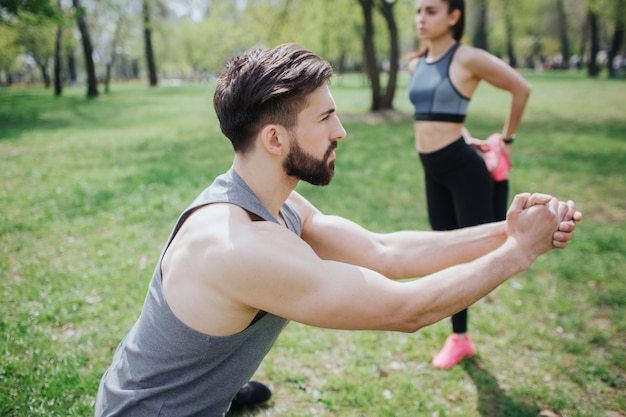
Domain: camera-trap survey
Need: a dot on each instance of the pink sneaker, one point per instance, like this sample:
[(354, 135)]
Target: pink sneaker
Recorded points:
[(453, 351)]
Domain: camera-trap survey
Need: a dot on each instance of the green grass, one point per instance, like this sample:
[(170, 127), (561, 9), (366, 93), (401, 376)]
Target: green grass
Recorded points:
[(90, 190)]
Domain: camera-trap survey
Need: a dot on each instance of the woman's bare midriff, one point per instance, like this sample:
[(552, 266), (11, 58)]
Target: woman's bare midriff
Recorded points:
[(432, 136)]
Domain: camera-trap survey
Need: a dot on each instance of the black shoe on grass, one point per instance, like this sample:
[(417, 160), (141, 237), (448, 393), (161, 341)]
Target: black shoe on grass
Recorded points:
[(251, 394)]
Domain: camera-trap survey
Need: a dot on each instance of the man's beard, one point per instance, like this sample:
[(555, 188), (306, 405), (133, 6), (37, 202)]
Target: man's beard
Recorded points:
[(306, 167)]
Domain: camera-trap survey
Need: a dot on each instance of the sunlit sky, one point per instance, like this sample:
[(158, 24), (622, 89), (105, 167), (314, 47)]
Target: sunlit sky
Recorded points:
[(196, 9)]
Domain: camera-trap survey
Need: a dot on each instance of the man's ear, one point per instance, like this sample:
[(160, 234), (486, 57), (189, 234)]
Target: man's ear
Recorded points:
[(274, 139)]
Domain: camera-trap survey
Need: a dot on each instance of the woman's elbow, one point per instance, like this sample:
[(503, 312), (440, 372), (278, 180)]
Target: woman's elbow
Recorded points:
[(525, 89)]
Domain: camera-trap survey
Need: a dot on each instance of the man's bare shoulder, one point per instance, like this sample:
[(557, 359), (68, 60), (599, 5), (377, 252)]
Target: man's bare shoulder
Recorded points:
[(221, 228), (213, 261)]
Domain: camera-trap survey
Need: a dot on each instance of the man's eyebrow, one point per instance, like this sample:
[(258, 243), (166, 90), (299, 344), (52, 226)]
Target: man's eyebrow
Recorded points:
[(328, 111)]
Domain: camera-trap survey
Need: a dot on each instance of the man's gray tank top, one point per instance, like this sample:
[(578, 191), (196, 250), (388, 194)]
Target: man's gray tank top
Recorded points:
[(163, 367)]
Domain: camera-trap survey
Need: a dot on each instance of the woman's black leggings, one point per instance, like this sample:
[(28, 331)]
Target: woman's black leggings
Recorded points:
[(460, 192)]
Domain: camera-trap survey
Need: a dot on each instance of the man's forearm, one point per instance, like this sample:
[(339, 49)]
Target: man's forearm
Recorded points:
[(415, 254), (444, 293)]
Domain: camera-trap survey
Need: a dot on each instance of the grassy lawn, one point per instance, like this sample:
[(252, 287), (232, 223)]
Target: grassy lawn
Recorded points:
[(91, 189)]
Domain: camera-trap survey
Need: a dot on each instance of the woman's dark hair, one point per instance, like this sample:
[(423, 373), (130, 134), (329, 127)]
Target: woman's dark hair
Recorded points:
[(459, 27), (265, 86)]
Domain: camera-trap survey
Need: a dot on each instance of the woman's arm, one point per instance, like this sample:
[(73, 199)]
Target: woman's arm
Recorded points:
[(496, 72)]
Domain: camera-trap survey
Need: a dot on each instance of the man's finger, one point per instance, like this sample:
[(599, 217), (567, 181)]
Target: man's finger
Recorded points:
[(519, 201), (537, 198)]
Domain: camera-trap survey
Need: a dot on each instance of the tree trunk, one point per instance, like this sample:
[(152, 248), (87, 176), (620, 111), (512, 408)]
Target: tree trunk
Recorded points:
[(71, 67), (386, 101), (371, 65), (380, 101), (583, 44), (480, 33), (508, 22), (43, 66), (593, 69), (147, 32), (113, 56), (562, 18), (618, 36), (92, 82), (58, 73)]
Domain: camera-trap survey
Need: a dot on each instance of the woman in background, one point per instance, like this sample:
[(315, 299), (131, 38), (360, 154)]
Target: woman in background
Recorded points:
[(460, 191)]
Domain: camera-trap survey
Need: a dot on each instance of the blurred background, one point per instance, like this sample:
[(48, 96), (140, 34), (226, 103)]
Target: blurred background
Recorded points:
[(87, 42)]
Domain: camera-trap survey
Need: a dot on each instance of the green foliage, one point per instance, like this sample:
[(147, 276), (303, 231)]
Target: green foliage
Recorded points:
[(91, 189), (9, 49), (37, 41), (29, 10), (329, 28), (197, 48)]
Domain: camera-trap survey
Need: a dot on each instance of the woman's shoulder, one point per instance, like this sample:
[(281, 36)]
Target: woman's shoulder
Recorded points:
[(470, 56), (466, 52)]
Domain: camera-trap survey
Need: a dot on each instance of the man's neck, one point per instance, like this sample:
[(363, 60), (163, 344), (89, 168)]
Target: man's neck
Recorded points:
[(271, 186)]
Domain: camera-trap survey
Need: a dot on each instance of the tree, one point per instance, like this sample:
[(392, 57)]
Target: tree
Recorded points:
[(38, 42), (339, 40), (9, 51), (120, 20), (58, 72), (386, 9), (92, 82), (28, 26), (593, 68), (331, 28), (618, 37), (69, 52), (147, 32), (509, 31), (380, 100), (31, 10), (562, 23), (63, 49), (480, 31)]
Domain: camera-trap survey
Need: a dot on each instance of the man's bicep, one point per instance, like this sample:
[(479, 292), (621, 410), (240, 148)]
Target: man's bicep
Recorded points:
[(288, 279), (337, 238)]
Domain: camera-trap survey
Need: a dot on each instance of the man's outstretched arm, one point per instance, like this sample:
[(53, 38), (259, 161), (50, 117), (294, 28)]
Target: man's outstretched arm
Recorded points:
[(274, 271), (409, 254)]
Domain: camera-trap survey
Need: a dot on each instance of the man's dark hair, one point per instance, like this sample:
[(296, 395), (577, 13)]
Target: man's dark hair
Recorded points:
[(266, 86)]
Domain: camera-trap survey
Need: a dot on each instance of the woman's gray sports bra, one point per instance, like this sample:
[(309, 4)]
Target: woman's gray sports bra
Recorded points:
[(432, 93)]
